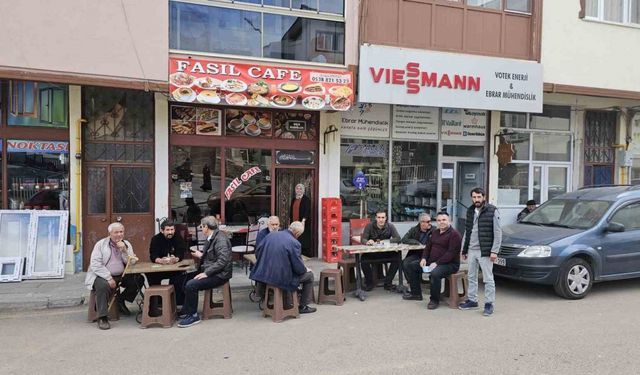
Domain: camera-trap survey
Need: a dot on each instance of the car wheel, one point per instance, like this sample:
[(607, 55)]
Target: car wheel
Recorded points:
[(574, 280)]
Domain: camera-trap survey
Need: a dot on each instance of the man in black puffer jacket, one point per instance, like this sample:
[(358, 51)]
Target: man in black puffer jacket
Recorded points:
[(481, 245)]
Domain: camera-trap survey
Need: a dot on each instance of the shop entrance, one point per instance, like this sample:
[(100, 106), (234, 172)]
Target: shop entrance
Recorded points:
[(458, 179), (286, 181)]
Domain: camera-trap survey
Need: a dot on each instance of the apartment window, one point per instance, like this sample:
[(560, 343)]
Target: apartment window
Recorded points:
[(310, 30), (618, 11)]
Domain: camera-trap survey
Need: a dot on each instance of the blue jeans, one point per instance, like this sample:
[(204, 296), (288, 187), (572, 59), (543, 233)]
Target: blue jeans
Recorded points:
[(193, 286)]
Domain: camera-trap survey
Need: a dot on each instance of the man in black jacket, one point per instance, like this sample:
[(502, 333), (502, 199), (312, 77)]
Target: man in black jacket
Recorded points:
[(481, 245), (167, 247), (374, 233), (215, 270), (418, 235)]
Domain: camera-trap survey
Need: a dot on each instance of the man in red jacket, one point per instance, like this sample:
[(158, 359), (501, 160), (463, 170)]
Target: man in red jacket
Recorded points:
[(442, 256)]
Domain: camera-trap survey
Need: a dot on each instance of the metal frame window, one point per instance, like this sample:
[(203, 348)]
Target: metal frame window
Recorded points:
[(626, 12), (319, 17)]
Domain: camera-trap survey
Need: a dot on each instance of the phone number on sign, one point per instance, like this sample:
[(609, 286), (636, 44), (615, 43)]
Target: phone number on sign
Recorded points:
[(330, 78)]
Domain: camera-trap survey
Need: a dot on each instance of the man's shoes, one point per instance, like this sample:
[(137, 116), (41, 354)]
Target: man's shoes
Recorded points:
[(122, 307), (412, 297), (103, 323), (307, 309), (468, 305), (390, 287), (189, 321), (433, 305), (180, 315), (488, 309), (367, 287)]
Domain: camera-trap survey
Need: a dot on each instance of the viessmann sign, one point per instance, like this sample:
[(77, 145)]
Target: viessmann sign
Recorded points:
[(426, 78)]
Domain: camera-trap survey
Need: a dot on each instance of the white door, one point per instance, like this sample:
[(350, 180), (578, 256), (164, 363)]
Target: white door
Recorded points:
[(549, 181)]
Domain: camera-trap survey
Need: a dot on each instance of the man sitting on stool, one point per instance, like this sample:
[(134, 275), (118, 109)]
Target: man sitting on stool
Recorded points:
[(167, 247), (279, 263), (273, 225), (442, 255), (373, 233), (418, 235), (215, 270), (108, 262)]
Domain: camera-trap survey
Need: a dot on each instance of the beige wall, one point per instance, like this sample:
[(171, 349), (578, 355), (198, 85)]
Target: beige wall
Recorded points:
[(94, 38), (586, 53)]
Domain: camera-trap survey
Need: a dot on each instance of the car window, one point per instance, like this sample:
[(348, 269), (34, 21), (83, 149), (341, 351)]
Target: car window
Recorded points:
[(574, 213), (629, 216)]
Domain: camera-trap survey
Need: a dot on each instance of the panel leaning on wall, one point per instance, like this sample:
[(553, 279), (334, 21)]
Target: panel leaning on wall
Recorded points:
[(39, 237)]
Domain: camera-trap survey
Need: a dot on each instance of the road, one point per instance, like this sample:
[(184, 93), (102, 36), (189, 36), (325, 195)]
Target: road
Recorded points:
[(531, 332)]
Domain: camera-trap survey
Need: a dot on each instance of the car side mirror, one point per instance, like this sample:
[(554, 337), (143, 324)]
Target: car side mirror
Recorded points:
[(614, 227)]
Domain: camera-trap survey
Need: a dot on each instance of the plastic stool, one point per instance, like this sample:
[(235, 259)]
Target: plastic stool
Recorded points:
[(168, 313), (273, 304), (327, 295), (451, 289), (348, 267), (211, 309), (92, 315)]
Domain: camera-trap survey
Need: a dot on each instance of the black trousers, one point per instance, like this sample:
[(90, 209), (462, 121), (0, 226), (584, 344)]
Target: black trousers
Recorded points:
[(393, 257), (414, 274), (306, 280), (193, 286), (131, 284), (410, 263), (177, 279)]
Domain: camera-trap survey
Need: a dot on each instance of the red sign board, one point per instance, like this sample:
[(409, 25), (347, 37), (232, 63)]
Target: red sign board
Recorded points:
[(217, 82)]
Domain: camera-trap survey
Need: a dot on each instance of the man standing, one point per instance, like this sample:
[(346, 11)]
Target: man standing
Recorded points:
[(482, 239), (418, 235), (374, 233), (167, 247), (215, 270), (279, 263), (273, 225), (531, 205), (442, 255), (108, 261)]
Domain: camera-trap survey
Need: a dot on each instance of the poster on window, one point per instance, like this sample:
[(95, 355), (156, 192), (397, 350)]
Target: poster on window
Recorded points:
[(195, 120), (366, 120), (255, 85), (463, 125), (186, 190), (415, 123)]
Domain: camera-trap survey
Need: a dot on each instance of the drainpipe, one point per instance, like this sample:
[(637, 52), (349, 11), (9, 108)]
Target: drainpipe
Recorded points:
[(78, 196)]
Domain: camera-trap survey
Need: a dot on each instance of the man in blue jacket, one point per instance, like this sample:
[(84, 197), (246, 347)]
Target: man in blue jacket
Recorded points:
[(279, 263)]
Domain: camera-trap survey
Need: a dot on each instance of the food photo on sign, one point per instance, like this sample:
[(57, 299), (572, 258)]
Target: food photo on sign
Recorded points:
[(187, 120), (210, 82), (246, 122), (295, 125)]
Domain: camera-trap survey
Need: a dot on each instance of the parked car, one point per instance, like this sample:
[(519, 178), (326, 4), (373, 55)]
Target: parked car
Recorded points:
[(574, 240)]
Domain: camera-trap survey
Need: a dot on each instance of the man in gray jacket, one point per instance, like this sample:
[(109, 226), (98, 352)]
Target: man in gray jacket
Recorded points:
[(108, 261), (215, 270)]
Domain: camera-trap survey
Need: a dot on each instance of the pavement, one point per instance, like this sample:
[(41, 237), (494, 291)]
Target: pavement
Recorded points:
[(70, 291), (533, 331)]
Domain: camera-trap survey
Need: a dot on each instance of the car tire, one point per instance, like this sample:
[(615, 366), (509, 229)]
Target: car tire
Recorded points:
[(575, 279)]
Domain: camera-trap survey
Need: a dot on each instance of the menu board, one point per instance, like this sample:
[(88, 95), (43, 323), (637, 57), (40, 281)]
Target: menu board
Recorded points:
[(463, 125), (247, 122), (415, 122), (189, 120), (216, 82)]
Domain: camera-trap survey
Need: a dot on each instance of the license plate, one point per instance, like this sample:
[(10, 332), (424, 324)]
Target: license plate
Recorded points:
[(501, 262)]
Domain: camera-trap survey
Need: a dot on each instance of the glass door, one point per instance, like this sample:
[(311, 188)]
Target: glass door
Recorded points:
[(549, 181), (469, 175)]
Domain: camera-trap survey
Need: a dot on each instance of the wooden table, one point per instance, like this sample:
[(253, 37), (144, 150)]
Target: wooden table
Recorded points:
[(358, 250)]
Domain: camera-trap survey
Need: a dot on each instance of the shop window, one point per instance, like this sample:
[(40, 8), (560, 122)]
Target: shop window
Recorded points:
[(490, 4), (38, 180), (523, 6), (464, 151), (37, 104), (247, 185), (552, 118), (513, 184), (513, 120), (259, 33), (414, 180), (551, 147), (195, 183), (520, 142), (371, 158)]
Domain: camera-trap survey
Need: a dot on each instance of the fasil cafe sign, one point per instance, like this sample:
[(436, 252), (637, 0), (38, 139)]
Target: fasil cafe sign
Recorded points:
[(244, 177), (391, 75)]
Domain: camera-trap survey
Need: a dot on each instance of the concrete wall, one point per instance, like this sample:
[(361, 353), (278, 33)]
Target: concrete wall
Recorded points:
[(161, 156), (587, 53), (97, 38)]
